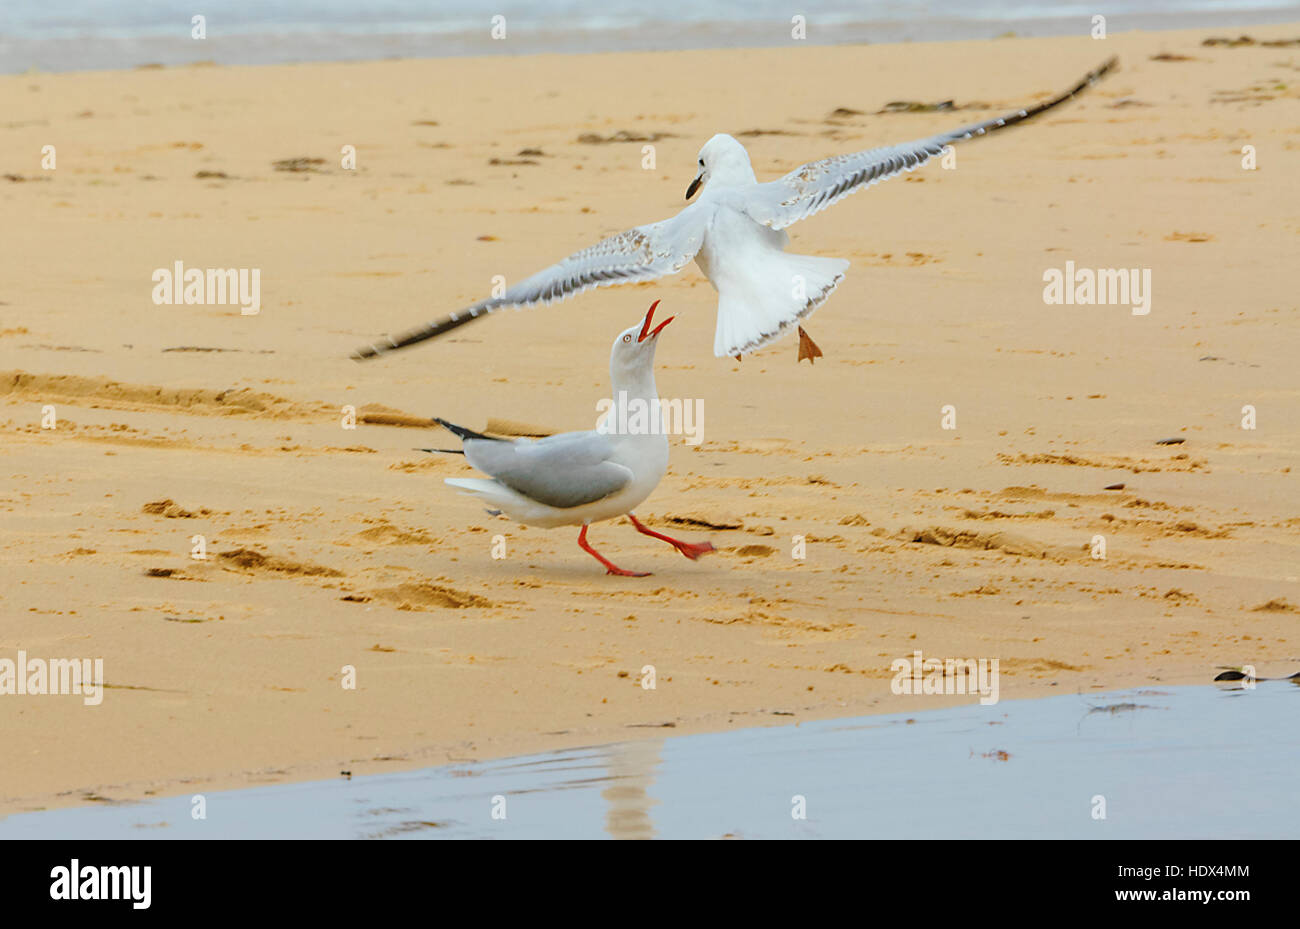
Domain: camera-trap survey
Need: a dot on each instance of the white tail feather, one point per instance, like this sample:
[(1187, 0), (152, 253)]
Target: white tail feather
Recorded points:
[(769, 302)]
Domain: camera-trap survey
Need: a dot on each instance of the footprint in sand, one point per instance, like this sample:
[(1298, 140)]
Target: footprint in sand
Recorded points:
[(251, 561), (171, 510), (424, 597)]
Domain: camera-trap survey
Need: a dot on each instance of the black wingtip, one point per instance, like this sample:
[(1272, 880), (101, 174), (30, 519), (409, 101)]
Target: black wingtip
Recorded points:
[(415, 336), (1109, 65)]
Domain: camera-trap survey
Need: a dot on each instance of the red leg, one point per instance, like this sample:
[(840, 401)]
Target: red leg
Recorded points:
[(691, 550), (610, 567)]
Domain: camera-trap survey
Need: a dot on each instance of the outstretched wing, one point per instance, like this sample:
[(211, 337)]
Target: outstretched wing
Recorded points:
[(640, 254), (813, 187), (562, 471)]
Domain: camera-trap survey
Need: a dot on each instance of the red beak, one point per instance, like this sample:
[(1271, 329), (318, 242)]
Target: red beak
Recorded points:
[(646, 331)]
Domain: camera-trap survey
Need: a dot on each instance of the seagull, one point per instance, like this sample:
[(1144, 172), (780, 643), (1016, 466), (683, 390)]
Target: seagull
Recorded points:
[(579, 478), (735, 233)]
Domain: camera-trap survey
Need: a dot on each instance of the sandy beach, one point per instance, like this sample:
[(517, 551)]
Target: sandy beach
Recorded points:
[(330, 547)]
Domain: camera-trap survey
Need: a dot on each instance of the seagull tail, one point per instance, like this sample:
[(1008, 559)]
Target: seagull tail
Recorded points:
[(764, 306), (486, 490), (460, 432)]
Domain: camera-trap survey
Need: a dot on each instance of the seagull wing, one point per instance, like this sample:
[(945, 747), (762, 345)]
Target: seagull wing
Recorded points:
[(562, 471), (813, 187), (639, 254)]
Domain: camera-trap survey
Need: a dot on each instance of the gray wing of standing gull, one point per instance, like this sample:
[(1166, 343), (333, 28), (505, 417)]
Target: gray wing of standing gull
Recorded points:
[(813, 187), (562, 471), (639, 254)]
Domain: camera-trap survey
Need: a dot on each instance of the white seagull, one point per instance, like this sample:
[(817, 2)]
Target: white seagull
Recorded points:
[(734, 233), (579, 478)]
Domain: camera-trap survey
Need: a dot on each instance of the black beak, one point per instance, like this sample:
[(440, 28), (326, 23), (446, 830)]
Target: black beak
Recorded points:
[(690, 191)]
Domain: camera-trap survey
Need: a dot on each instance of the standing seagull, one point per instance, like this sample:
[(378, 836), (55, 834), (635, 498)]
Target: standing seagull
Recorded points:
[(734, 233), (579, 478)]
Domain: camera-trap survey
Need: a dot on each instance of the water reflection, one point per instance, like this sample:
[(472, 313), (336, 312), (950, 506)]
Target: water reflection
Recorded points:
[(631, 767), (1190, 762)]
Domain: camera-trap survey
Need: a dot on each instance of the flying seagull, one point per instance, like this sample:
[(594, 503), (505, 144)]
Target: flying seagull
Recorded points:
[(579, 478), (734, 231)]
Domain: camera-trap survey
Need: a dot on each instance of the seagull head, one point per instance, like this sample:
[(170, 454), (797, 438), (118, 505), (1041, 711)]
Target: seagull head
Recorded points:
[(724, 160), (635, 347)]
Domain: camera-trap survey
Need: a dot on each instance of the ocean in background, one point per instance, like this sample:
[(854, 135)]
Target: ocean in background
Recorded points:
[(73, 35)]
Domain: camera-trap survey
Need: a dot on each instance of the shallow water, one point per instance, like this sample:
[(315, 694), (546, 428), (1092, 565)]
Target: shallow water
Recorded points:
[(98, 34), (1193, 762)]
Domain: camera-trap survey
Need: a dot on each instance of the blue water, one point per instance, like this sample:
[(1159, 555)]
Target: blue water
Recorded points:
[(96, 34), (1182, 762)]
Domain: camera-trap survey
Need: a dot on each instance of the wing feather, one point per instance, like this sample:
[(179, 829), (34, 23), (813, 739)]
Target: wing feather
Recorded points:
[(813, 187), (562, 471), (639, 254)]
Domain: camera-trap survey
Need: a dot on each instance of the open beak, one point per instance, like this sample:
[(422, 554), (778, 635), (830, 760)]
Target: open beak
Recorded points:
[(695, 185), (646, 331)]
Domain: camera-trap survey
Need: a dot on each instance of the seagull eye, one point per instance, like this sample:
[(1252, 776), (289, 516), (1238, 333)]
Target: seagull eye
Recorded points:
[(701, 162), (627, 338)]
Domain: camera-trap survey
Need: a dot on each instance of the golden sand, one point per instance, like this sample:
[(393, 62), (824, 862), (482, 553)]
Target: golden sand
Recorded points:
[(331, 547)]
